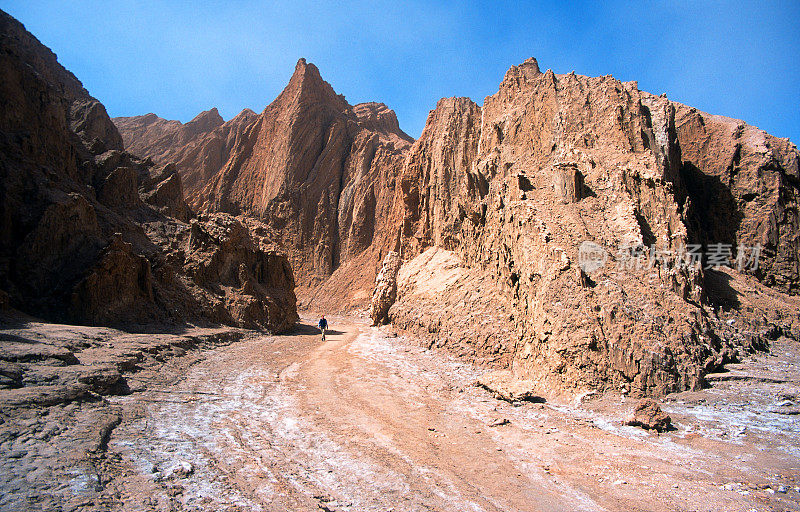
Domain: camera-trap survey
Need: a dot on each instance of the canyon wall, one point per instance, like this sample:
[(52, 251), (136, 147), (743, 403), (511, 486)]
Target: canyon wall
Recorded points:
[(490, 210), (551, 162), (315, 172), (92, 234)]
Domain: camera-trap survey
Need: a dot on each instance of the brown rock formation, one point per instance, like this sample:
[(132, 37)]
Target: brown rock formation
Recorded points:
[(257, 286), (385, 293), (495, 201), (311, 171), (118, 287), (503, 187), (568, 182), (649, 416), (90, 233), (451, 305), (198, 148), (744, 189), (316, 171)]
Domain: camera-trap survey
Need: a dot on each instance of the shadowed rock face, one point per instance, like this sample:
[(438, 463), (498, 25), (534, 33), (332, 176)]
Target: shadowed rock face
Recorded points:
[(743, 187), (90, 233)]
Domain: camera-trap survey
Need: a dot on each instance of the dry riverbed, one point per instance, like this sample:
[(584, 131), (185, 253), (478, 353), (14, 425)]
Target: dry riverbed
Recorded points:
[(368, 422)]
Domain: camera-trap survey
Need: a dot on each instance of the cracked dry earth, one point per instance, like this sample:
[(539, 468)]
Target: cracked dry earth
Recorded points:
[(371, 422)]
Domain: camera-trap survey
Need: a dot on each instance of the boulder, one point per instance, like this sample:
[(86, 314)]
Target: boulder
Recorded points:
[(649, 416)]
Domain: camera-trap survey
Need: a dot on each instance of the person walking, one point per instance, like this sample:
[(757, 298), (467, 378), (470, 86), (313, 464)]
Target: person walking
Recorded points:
[(322, 324)]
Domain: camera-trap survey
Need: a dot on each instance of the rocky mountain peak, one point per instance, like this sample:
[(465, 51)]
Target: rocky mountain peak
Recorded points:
[(531, 64), (308, 86), (26, 47), (523, 72), (244, 113), (149, 118), (205, 121)]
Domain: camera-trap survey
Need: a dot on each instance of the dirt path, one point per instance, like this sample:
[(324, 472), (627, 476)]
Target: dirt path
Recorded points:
[(363, 422)]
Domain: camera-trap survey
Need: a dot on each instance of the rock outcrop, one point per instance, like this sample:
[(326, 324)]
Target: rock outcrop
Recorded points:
[(56, 420), (743, 189), (198, 149), (92, 234), (448, 304), (385, 293), (119, 286), (257, 286), (516, 187)]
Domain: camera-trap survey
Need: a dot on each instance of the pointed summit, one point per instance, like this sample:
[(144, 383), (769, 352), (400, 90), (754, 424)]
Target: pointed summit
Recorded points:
[(307, 85), (244, 114), (301, 65), (531, 65), (205, 121), (305, 72), (526, 71)]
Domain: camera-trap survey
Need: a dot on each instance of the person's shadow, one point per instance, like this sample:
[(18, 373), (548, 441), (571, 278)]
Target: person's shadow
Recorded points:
[(303, 329)]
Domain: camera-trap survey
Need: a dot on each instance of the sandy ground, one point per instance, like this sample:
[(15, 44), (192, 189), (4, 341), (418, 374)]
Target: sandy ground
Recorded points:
[(370, 422)]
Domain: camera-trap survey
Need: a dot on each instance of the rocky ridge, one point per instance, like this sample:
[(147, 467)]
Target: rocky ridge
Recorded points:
[(515, 187)]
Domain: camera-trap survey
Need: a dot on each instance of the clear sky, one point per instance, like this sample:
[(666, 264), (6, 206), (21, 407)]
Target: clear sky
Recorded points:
[(177, 58)]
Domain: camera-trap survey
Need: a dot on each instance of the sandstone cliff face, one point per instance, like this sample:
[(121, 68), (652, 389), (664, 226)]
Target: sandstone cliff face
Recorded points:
[(317, 172), (549, 162), (198, 149), (90, 233)]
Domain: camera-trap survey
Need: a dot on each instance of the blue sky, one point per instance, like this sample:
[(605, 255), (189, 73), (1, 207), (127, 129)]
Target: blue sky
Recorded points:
[(176, 58)]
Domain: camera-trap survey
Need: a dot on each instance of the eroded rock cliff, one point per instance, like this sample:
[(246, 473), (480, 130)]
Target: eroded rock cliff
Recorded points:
[(550, 162), (743, 187), (92, 234), (554, 230), (316, 172)]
